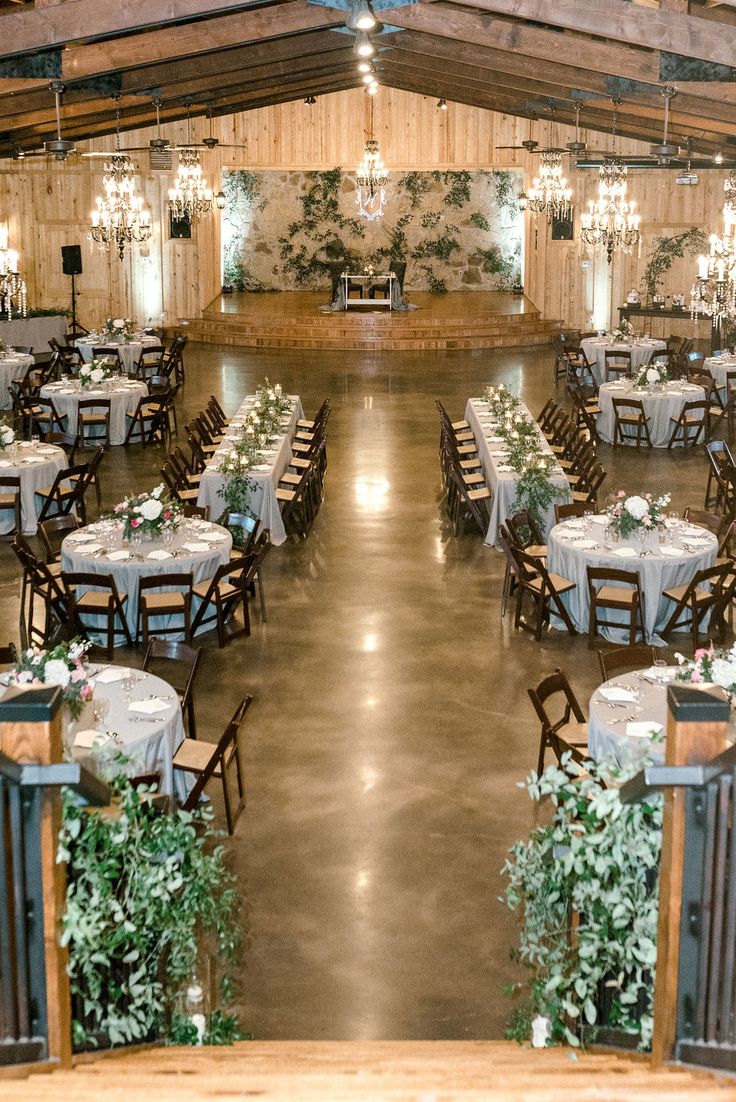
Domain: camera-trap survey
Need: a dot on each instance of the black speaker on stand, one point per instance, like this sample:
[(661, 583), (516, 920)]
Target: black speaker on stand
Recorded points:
[(71, 265)]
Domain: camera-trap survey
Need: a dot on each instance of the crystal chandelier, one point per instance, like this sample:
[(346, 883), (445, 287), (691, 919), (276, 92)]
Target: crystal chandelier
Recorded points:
[(12, 284), (190, 197), (714, 290), (119, 218), (370, 194), (549, 193), (611, 220)]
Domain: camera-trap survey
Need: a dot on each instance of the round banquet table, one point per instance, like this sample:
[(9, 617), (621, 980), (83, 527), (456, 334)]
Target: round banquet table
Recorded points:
[(198, 547), (659, 407), (37, 467), (628, 717), (578, 543), (719, 367), (595, 349), (148, 738), (124, 397), (129, 352), (13, 366)]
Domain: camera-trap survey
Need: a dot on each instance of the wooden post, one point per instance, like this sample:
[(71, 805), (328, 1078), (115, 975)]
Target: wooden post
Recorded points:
[(697, 726), (38, 739)]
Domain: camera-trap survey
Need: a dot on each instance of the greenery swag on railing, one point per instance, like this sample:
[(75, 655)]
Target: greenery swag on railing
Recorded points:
[(598, 860), (535, 490)]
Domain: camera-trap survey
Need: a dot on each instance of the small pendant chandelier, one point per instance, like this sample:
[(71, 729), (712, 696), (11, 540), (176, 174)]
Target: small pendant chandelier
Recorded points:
[(549, 193), (714, 290), (119, 218), (12, 284), (190, 197), (370, 194), (611, 220)]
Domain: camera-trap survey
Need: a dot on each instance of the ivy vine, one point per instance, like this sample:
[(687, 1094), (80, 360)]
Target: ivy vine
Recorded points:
[(664, 252)]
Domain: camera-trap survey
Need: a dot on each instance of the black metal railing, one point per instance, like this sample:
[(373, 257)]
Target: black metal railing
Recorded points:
[(706, 986), (23, 1003)]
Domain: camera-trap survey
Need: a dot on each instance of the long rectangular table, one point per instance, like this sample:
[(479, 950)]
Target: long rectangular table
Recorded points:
[(264, 503), (503, 483)]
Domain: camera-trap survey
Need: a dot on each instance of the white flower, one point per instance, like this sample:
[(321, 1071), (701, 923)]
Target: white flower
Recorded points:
[(56, 672), (636, 506), (652, 375), (118, 323), (6, 435), (723, 672), (158, 490), (85, 370), (97, 375), (151, 509)]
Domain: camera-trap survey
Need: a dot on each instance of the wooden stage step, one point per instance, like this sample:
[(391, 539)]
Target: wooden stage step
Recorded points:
[(471, 319), (390, 1071)]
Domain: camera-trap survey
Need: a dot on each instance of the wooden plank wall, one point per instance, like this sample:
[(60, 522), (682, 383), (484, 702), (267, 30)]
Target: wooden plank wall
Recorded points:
[(46, 204)]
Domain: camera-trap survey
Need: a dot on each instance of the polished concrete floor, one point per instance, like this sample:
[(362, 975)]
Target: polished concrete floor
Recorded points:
[(391, 723)]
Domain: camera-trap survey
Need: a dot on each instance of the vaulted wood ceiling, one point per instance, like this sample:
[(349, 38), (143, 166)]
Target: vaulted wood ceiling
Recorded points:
[(530, 58)]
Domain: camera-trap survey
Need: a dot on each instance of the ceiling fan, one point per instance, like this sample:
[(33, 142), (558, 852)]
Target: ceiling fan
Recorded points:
[(59, 147), (576, 147), (161, 145)]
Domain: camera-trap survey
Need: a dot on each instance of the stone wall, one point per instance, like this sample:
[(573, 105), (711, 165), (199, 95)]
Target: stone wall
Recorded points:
[(456, 230)]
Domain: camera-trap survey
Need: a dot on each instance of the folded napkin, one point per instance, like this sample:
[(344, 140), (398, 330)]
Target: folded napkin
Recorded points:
[(671, 552), (643, 728), (150, 707), (504, 469), (34, 459), (599, 518), (81, 537), (118, 556), (495, 440), (216, 537), (693, 530), (111, 675), (575, 523), (583, 544), (262, 467), (503, 454), (625, 552), (90, 738), (617, 694), (88, 548), (160, 555), (195, 545), (47, 451), (5, 463)]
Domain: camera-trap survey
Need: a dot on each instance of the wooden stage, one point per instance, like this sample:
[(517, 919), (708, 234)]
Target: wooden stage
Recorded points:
[(292, 319)]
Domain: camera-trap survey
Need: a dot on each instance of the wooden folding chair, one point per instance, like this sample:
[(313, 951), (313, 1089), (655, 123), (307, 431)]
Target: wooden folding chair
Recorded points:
[(101, 601), (618, 591), (162, 595), (546, 590), (567, 733), (205, 761), (178, 663), (615, 660)]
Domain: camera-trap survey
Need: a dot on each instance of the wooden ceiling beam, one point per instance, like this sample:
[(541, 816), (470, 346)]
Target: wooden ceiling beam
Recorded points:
[(625, 23), (483, 29), (82, 20)]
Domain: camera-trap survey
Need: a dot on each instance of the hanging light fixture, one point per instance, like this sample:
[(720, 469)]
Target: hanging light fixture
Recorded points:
[(442, 104), (370, 194), (190, 197), (611, 220), (363, 45), (360, 16), (12, 284), (549, 193), (119, 218), (714, 290)]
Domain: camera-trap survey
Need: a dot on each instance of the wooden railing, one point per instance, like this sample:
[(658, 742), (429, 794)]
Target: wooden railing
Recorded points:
[(696, 937), (34, 987)]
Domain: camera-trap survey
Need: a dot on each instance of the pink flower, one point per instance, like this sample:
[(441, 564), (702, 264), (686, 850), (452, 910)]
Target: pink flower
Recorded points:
[(78, 675), (166, 516), (696, 675), (86, 691), (136, 522), (621, 493), (701, 652)]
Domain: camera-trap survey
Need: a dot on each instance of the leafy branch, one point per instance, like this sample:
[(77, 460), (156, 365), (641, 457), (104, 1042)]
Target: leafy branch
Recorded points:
[(664, 252)]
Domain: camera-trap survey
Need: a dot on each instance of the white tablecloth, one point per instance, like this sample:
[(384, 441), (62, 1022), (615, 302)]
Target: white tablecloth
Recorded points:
[(595, 349), (719, 367), (149, 744), (124, 398), (568, 555), (127, 572), (659, 407), (129, 352), (13, 367), (264, 503), (37, 468), (502, 484)]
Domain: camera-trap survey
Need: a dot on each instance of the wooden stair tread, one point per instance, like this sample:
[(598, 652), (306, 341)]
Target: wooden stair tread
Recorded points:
[(399, 1071)]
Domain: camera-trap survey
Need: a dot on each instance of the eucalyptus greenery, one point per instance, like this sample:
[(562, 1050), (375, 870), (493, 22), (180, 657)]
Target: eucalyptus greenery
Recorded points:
[(663, 253), (144, 889), (535, 490), (598, 859)]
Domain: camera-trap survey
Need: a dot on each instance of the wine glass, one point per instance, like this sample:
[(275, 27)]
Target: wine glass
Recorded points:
[(100, 709), (128, 687)]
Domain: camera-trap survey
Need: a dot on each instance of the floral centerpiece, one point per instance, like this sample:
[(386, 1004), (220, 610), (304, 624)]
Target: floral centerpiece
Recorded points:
[(120, 329), (501, 400), (148, 514), (95, 372), (638, 512), (624, 333), (713, 665), (652, 375), (268, 407), (7, 435), (63, 665)]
